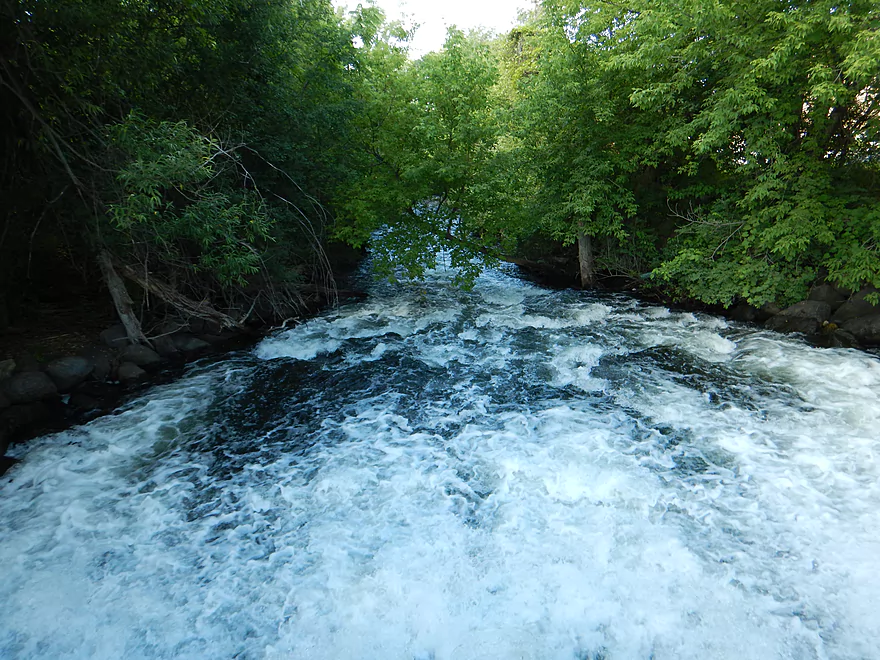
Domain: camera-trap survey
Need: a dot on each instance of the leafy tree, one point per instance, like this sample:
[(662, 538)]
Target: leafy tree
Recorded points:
[(427, 136), (773, 108), (176, 138)]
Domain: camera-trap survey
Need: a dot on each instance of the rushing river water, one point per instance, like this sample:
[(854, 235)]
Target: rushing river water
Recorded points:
[(504, 473)]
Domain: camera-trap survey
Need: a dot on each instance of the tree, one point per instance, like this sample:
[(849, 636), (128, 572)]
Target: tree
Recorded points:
[(427, 136), (177, 143)]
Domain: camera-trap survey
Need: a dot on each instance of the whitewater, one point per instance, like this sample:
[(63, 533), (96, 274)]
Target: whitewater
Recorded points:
[(505, 473)]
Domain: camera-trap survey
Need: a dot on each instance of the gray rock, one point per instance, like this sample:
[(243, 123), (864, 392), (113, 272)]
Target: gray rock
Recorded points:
[(115, 336), (4, 445), (747, 313), (744, 313), (7, 368), (770, 309), (204, 327), (102, 358), (225, 336), (16, 418), (25, 363), (129, 372), (809, 309), (828, 294), (188, 344), (165, 346), (68, 372), (83, 402), (806, 317), (843, 339), (140, 355), (29, 386), (856, 306), (781, 323), (866, 329)]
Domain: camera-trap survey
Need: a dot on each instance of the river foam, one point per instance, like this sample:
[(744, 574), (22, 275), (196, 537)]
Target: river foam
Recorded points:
[(504, 473)]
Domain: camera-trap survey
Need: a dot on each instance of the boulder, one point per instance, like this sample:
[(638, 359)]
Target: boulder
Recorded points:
[(129, 373), (747, 313), (140, 355), (221, 338), (188, 344), (7, 368), (843, 339), (856, 306), (770, 309), (29, 386), (16, 418), (68, 372), (806, 317), (204, 327), (866, 329), (827, 293), (115, 336), (25, 363), (83, 402), (102, 358), (165, 346)]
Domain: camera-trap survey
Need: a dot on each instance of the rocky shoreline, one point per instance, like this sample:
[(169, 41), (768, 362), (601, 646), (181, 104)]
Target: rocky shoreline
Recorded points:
[(37, 398), (830, 317)]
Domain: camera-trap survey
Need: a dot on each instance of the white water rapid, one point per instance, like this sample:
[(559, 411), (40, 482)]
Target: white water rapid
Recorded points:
[(506, 473)]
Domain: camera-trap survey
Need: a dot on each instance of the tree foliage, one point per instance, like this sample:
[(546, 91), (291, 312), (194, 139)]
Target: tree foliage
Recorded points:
[(188, 139), (427, 136), (729, 149)]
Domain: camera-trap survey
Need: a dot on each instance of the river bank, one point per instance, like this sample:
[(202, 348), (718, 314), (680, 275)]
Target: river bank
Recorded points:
[(71, 361), (830, 316), (90, 375)]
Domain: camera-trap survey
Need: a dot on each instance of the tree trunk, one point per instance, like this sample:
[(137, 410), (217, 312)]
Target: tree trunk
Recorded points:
[(121, 299), (585, 261), (186, 306)]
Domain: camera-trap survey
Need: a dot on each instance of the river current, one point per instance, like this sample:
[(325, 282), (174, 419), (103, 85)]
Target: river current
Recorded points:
[(504, 473)]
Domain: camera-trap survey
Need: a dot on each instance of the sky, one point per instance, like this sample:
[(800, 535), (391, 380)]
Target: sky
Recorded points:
[(434, 16)]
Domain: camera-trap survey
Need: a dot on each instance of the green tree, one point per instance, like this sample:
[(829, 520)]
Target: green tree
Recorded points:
[(427, 136)]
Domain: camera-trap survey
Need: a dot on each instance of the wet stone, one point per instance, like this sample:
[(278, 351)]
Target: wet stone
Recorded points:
[(806, 317), (865, 329), (856, 306), (102, 358), (188, 344), (19, 417), (68, 372), (829, 294), (115, 336), (129, 372), (29, 386), (142, 356), (7, 368)]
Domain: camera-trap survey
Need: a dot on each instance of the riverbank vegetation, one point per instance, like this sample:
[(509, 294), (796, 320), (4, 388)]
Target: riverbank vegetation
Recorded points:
[(197, 157), (730, 151)]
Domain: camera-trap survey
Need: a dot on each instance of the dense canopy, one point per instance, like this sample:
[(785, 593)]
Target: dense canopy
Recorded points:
[(206, 151)]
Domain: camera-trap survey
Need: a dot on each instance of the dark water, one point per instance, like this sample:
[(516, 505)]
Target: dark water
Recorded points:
[(504, 473)]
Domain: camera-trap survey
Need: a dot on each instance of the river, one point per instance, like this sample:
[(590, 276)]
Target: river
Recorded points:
[(509, 472)]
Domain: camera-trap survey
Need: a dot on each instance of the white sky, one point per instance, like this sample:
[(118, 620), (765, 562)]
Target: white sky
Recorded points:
[(434, 16)]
